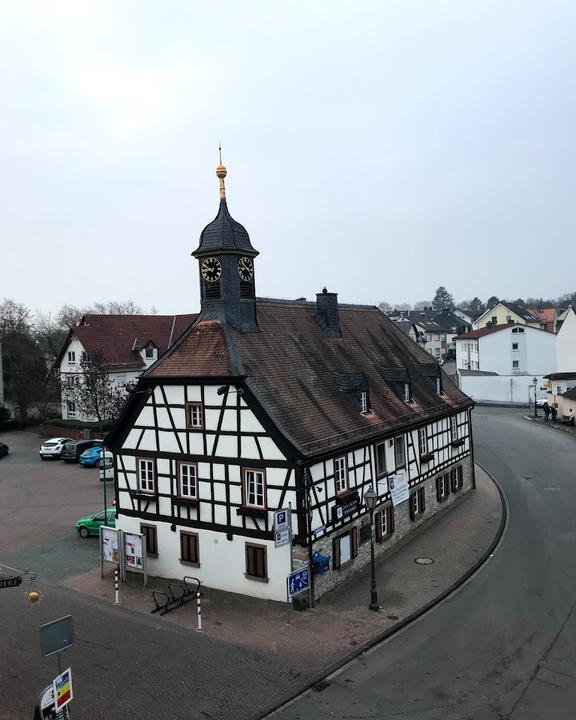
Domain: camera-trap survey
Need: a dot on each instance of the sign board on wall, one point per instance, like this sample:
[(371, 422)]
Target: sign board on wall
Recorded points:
[(398, 486)]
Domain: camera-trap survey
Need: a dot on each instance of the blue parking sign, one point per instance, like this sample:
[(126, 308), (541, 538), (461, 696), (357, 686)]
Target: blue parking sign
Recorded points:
[(298, 581)]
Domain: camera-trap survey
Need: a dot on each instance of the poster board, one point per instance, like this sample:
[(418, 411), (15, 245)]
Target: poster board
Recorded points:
[(398, 486)]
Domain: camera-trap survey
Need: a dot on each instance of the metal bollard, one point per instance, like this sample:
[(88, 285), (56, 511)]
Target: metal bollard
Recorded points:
[(199, 611), (116, 575)]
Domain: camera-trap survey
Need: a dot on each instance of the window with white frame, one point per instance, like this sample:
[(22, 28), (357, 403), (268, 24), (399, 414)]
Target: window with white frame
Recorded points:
[(188, 480), (442, 487), (364, 401), (380, 453), (385, 523), (438, 386), (340, 475), (71, 408), (407, 392), (515, 363), (71, 358), (417, 502), (254, 488), (520, 330), (194, 416), (146, 475), (399, 452), (150, 351), (422, 441), (514, 346), (453, 428)]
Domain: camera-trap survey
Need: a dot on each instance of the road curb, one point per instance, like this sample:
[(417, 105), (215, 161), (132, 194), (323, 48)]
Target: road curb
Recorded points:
[(326, 674), (551, 426)]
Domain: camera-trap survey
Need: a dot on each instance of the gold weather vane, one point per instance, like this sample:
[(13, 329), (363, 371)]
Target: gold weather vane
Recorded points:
[(221, 173)]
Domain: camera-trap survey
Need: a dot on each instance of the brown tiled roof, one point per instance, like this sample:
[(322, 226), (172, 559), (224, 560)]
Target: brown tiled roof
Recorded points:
[(293, 368), (561, 376), (119, 337), (202, 352), (473, 334)]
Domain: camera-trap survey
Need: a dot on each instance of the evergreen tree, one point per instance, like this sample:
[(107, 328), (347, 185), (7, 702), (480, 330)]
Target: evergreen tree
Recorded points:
[(442, 300)]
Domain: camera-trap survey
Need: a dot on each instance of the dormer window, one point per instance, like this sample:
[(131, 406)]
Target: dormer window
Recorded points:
[(407, 397), (149, 351), (356, 387), (363, 402), (438, 386)]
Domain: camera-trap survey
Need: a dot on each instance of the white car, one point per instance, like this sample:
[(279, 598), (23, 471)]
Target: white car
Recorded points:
[(53, 447)]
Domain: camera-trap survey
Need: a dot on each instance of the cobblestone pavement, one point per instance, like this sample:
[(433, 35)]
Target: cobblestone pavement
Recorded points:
[(250, 657)]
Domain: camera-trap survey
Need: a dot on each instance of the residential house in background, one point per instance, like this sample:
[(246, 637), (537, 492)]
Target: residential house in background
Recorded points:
[(128, 345), (512, 354), (434, 331), (561, 392), (501, 314), (566, 341), (265, 405), (546, 316)]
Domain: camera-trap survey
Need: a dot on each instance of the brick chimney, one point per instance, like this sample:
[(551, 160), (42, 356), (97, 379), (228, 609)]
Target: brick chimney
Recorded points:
[(327, 312)]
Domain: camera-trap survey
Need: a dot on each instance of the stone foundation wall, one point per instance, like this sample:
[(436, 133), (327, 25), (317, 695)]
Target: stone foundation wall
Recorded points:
[(404, 528)]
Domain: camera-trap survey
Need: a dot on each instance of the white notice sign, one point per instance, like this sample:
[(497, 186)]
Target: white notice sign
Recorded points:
[(110, 545), (398, 485), (133, 551)]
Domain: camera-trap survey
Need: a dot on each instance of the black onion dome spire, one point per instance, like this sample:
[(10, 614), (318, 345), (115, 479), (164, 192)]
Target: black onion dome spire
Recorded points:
[(224, 234)]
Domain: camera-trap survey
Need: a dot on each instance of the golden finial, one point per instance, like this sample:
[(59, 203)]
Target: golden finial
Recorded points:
[(221, 173)]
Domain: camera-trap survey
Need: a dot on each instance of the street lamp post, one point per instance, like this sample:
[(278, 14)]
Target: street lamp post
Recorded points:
[(535, 381), (370, 498)]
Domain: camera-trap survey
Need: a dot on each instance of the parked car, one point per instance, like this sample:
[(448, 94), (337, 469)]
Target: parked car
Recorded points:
[(92, 456), (91, 524), (72, 450), (540, 402), (3, 449), (53, 447)]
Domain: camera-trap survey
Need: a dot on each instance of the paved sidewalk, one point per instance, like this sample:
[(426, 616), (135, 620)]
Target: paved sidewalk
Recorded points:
[(315, 642), (541, 420)]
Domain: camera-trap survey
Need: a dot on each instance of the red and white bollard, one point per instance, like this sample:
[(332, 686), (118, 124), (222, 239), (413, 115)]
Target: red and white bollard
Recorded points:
[(116, 575), (199, 611)]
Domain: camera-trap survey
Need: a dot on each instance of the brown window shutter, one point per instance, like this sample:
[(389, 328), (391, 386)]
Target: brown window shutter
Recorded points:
[(439, 488), (354, 541), (183, 548), (250, 569), (422, 499), (261, 563), (412, 501), (378, 526), (391, 523), (336, 553)]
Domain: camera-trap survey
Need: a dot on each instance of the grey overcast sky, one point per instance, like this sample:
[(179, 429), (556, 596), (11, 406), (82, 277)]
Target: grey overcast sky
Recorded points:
[(378, 148)]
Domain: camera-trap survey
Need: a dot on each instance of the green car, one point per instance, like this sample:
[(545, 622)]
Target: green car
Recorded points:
[(91, 524)]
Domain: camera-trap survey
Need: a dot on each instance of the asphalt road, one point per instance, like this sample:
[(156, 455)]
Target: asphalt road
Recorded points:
[(503, 646)]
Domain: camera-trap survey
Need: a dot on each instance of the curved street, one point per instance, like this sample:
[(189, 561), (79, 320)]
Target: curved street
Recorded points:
[(504, 644)]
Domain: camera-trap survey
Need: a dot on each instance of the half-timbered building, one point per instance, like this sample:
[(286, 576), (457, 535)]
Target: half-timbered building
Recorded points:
[(265, 404)]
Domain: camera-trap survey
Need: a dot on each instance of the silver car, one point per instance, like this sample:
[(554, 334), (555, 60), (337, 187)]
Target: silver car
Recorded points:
[(53, 447)]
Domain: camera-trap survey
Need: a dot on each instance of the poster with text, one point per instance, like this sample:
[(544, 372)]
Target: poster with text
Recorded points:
[(398, 486), (110, 551), (133, 551)]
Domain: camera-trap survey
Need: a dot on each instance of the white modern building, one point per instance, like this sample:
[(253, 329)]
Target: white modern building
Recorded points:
[(498, 363), (566, 341)]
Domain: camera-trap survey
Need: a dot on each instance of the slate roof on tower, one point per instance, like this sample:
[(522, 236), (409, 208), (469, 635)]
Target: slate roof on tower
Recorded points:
[(293, 368)]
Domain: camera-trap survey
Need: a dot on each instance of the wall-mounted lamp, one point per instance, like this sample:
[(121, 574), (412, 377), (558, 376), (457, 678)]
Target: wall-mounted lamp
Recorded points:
[(222, 390)]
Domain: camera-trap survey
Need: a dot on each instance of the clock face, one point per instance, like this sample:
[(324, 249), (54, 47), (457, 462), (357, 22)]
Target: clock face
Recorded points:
[(245, 268), (211, 269)]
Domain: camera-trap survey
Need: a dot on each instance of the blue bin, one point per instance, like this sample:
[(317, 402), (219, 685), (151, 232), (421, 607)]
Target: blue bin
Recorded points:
[(320, 563)]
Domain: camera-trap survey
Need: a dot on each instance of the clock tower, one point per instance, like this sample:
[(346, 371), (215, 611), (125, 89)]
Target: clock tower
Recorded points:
[(226, 266)]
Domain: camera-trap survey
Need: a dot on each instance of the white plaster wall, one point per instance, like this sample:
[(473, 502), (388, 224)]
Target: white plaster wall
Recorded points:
[(505, 389), (536, 352), (467, 357), (222, 562), (566, 344)]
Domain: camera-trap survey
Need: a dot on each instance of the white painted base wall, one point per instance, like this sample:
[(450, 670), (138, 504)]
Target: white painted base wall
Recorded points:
[(505, 389), (222, 561)]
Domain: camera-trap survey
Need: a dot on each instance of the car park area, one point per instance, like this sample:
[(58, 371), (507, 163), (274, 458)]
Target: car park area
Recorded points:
[(40, 502)]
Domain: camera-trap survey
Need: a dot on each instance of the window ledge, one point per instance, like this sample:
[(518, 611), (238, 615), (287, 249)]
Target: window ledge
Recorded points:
[(142, 494), (186, 501), (190, 563), (252, 512), (257, 579), (400, 467)]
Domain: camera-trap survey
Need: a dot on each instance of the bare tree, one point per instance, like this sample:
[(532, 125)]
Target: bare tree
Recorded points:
[(422, 304), (93, 391), (385, 307)]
